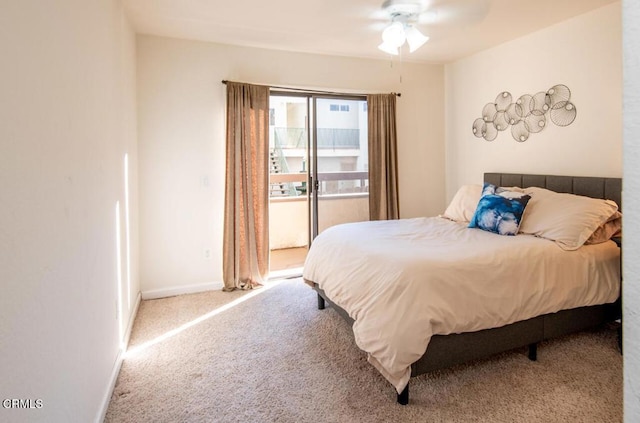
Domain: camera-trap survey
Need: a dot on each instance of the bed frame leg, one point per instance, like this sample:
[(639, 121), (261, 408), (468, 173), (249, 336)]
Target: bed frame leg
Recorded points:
[(320, 302), (620, 337), (403, 397), (533, 352)]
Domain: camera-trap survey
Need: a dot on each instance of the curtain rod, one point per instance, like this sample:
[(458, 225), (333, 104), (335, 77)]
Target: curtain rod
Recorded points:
[(224, 81)]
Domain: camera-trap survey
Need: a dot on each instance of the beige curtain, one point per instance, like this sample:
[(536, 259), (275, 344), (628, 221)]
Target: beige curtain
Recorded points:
[(246, 213), (383, 157)]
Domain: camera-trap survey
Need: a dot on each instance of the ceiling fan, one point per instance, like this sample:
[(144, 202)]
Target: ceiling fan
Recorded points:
[(403, 14), (406, 14)]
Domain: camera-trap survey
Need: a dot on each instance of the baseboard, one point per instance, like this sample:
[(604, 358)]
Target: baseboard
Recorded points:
[(102, 413), (118, 363), (179, 290), (132, 319)]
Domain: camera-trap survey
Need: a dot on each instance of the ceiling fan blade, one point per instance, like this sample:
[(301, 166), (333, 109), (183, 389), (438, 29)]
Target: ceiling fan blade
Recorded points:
[(454, 12)]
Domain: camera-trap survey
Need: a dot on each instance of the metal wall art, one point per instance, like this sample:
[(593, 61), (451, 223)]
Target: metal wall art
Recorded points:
[(527, 115)]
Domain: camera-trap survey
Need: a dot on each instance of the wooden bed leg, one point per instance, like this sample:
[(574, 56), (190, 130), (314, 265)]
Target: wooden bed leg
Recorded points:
[(320, 302), (533, 352), (403, 397)]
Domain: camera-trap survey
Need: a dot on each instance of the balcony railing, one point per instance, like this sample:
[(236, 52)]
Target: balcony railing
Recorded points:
[(329, 183), (328, 138)]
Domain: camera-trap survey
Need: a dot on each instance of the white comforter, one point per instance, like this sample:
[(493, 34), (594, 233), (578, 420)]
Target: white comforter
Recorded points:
[(403, 281)]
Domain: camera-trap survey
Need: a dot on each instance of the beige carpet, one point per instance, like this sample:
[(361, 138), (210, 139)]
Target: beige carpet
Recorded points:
[(273, 357)]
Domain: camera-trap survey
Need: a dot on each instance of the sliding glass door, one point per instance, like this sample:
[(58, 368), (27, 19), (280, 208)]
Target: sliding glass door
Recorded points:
[(289, 234), (318, 170), (339, 162)]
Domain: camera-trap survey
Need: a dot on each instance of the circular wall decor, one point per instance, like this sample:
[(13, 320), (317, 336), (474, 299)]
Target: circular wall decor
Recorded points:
[(529, 114)]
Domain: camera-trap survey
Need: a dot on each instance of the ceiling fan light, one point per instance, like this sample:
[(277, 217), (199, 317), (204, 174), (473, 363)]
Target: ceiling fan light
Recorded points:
[(388, 48), (415, 38), (394, 34)]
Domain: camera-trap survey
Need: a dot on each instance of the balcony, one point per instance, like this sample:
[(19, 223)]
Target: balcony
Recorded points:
[(342, 195), (343, 198)]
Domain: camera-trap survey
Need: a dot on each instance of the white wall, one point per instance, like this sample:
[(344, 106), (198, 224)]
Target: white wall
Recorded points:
[(67, 117), (585, 54), (631, 241), (181, 113)]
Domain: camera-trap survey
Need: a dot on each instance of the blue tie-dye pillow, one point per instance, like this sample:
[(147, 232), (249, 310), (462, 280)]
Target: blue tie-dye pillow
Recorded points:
[(499, 210)]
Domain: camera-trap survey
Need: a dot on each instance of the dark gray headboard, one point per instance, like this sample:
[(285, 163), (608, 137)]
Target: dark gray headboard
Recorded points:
[(606, 188)]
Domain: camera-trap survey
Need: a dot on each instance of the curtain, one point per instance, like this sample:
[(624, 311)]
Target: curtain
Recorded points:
[(383, 157), (246, 213)]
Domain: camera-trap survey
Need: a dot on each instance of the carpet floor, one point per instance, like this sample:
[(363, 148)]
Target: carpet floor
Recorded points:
[(270, 355)]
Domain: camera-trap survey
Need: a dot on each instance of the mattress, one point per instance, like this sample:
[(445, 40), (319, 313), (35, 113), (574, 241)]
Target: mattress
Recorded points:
[(403, 281)]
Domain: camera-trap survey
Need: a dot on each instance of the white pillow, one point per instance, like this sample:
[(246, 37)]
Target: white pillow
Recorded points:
[(567, 219), (464, 203)]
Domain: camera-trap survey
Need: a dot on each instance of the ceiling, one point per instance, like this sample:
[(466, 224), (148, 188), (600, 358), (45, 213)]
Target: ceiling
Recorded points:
[(457, 28)]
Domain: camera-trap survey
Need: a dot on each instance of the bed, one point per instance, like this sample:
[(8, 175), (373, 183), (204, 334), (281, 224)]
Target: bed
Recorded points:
[(446, 294)]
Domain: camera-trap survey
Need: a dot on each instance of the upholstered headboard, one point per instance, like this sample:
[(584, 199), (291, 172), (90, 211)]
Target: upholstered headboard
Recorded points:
[(595, 187)]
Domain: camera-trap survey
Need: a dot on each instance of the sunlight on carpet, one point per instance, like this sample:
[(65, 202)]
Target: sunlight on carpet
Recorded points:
[(171, 333)]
